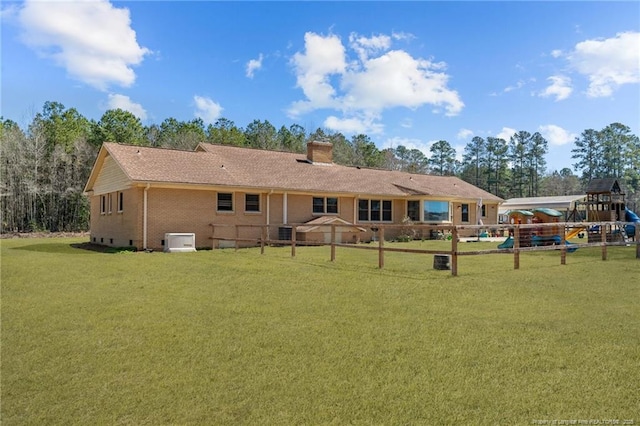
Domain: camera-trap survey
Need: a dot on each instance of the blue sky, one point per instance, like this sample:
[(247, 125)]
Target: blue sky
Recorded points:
[(404, 73)]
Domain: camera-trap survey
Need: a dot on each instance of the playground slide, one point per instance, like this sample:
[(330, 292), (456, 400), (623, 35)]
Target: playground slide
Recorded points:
[(631, 217), (573, 233), (507, 244), (571, 247)]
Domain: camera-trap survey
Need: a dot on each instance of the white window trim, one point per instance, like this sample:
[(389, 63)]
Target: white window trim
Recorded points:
[(120, 201), (324, 206), (381, 200)]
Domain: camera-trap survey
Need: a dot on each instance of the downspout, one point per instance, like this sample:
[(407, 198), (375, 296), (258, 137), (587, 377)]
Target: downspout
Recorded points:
[(284, 209), (268, 222), (144, 218)]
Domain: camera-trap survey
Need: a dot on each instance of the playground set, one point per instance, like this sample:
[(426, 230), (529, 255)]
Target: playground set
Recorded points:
[(605, 202)]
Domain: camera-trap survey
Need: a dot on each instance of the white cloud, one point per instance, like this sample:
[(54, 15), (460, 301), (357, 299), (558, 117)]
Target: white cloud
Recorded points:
[(560, 88), (517, 86), (92, 40), (403, 36), (125, 103), (506, 133), (556, 135), (367, 83), (608, 63), (253, 65), (464, 134), (396, 79), (206, 109), (365, 46), (353, 125), (556, 53), (323, 57)]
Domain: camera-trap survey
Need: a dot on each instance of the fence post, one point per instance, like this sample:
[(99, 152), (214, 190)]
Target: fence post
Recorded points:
[(262, 238), (454, 251), (603, 240), (563, 246), (293, 240), (516, 247), (381, 247), (333, 242), (637, 240)]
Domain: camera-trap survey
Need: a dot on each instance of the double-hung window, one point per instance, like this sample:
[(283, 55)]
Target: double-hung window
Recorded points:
[(413, 210), (120, 198), (252, 203), (225, 202), (322, 205), (103, 204), (374, 210), (465, 212)]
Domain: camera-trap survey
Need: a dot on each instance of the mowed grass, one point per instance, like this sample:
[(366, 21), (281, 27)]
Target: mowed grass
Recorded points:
[(230, 337)]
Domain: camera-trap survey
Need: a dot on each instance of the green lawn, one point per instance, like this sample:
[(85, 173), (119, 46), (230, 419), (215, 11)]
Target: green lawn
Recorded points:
[(239, 338)]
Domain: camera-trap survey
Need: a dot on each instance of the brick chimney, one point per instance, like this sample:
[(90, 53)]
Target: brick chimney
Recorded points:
[(320, 152)]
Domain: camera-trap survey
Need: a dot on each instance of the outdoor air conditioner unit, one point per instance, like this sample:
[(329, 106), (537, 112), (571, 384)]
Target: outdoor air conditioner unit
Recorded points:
[(179, 242)]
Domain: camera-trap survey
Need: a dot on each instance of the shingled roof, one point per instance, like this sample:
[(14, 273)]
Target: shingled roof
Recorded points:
[(605, 185), (224, 165)]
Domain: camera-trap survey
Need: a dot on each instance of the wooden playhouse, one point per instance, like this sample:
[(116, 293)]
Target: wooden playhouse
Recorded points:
[(606, 203)]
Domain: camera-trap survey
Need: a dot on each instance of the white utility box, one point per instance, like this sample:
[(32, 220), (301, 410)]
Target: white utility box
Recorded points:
[(175, 242)]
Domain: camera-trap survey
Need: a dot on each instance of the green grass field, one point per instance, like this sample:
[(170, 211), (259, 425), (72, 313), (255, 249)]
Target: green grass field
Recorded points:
[(230, 337)]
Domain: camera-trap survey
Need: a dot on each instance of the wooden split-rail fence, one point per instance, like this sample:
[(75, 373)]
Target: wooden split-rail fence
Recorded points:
[(597, 234)]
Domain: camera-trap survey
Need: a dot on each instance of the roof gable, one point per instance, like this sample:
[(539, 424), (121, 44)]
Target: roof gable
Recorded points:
[(110, 178), (318, 222)]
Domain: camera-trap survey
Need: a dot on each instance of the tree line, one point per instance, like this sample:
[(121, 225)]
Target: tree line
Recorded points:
[(45, 165)]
